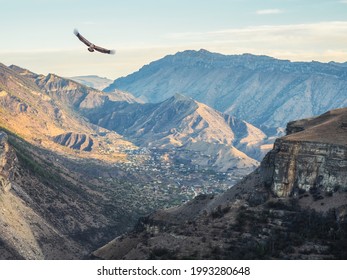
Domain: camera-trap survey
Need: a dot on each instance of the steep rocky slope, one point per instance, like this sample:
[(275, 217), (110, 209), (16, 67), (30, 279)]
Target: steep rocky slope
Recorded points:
[(25, 232), (261, 90), (292, 207), (39, 114)]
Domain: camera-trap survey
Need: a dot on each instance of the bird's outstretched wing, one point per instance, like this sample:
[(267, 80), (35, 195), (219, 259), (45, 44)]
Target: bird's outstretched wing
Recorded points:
[(92, 46), (79, 36), (103, 50)]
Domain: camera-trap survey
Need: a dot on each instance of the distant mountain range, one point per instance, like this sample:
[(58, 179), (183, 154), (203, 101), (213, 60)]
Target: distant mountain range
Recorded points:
[(96, 82), (261, 90), (92, 81)]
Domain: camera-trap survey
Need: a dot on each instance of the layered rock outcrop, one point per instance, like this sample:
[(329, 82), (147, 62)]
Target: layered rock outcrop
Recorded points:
[(296, 166), (312, 155)]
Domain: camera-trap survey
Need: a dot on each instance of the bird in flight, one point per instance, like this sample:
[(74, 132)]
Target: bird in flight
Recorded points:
[(92, 47)]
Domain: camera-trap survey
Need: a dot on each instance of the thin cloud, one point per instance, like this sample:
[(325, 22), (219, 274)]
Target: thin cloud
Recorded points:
[(322, 29), (269, 12), (321, 41)]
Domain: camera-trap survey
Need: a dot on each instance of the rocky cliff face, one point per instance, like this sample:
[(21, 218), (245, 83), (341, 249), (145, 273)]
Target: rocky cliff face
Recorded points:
[(313, 155), (301, 166), (292, 207)]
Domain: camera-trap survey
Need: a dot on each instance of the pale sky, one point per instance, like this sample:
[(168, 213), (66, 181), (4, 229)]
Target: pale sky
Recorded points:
[(38, 34)]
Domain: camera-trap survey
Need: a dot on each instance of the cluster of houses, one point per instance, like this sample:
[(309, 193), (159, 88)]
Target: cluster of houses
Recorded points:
[(172, 180)]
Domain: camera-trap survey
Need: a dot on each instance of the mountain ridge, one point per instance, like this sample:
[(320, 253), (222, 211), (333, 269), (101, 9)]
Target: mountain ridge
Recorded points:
[(261, 90)]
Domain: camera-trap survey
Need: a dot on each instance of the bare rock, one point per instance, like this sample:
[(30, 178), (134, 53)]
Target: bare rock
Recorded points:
[(312, 156), (76, 141)]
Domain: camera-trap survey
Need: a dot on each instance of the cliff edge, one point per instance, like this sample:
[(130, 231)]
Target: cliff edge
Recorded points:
[(312, 155)]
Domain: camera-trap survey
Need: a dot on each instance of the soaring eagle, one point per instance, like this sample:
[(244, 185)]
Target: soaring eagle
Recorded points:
[(92, 47)]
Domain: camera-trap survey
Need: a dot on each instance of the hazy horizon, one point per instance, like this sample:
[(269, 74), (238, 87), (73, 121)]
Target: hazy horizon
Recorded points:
[(39, 35)]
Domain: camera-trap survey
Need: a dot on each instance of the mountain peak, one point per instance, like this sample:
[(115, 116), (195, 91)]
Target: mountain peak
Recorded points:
[(181, 97), (181, 103), (204, 51), (199, 52)]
